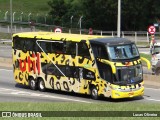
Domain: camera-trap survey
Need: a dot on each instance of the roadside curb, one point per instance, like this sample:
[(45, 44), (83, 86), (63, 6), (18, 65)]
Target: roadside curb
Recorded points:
[(140, 46)]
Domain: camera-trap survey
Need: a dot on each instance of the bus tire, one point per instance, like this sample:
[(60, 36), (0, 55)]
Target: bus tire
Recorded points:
[(32, 83), (41, 85), (94, 93)]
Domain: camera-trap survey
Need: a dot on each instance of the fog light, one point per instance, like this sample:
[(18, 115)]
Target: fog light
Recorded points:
[(117, 94)]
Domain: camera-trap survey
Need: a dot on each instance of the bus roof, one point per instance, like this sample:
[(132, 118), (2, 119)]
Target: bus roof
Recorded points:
[(74, 37), (56, 36), (112, 41)]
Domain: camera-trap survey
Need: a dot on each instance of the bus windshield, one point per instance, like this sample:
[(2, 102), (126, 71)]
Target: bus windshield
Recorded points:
[(120, 52)]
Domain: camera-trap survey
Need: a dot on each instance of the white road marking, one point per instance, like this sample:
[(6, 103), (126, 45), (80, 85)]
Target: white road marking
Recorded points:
[(6, 70), (24, 93), (152, 99), (151, 88)]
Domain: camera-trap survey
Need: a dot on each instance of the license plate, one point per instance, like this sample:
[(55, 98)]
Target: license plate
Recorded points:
[(131, 93)]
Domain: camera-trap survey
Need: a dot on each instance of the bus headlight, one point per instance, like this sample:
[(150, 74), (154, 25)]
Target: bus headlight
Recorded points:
[(139, 71), (114, 87)]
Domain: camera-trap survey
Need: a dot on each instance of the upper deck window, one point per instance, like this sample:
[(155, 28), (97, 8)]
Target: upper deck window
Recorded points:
[(25, 44), (83, 49)]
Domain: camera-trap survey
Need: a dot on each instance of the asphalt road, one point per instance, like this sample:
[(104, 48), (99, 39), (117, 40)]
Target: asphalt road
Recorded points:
[(12, 92), (5, 51)]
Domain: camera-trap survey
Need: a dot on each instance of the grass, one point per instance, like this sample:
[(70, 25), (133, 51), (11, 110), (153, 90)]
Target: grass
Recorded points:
[(59, 106), (145, 44), (35, 7), (147, 56), (81, 107)]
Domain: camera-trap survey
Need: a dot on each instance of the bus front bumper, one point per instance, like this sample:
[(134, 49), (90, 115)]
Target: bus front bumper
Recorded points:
[(125, 94)]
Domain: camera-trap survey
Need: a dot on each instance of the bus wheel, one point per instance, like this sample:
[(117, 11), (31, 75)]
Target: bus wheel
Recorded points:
[(94, 93), (32, 84), (41, 85)]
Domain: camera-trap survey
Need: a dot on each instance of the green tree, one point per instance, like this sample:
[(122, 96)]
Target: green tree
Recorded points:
[(59, 8), (102, 14)]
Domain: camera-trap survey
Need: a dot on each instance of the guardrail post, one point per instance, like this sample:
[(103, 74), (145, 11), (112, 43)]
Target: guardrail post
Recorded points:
[(70, 31), (21, 29), (101, 33), (122, 34), (147, 37), (15, 30), (8, 28), (135, 37), (112, 34)]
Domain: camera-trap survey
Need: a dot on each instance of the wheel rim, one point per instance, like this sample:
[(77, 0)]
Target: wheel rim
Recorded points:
[(33, 83), (41, 85), (94, 93)]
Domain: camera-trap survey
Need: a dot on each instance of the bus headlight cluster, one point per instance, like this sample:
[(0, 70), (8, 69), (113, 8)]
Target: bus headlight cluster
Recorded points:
[(113, 87), (139, 71)]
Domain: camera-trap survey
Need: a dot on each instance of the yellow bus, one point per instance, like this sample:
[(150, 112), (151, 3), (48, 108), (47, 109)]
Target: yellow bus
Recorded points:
[(85, 64)]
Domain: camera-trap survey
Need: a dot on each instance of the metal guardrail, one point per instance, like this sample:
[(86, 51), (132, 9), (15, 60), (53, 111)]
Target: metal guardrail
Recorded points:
[(5, 40), (26, 27)]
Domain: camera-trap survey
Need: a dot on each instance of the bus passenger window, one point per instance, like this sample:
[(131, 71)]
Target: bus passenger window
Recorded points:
[(18, 43), (99, 51), (83, 50), (29, 45), (105, 71), (57, 47), (71, 48), (42, 46)]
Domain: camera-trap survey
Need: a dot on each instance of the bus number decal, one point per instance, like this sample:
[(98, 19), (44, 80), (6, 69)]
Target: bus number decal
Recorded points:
[(31, 64)]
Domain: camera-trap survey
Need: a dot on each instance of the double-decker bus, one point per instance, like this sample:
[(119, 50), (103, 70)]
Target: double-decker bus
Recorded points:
[(85, 64)]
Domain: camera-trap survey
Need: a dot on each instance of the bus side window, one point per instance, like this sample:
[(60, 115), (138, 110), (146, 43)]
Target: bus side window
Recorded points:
[(70, 48), (83, 50), (45, 46), (99, 51), (105, 71), (29, 45), (18, 43), (71, 71), (57, 47)]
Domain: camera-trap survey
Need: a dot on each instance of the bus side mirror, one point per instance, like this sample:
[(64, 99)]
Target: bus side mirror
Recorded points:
[(147, 61)]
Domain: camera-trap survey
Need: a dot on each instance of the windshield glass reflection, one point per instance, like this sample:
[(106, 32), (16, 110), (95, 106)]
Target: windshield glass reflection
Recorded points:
[(123, 51)]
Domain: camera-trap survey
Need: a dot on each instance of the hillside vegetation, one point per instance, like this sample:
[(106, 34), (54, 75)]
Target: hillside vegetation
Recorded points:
[(25, 6)]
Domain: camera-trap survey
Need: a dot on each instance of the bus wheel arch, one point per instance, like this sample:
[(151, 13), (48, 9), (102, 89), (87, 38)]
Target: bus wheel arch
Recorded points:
[(32, 83), (41, 84), (94, 92)]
